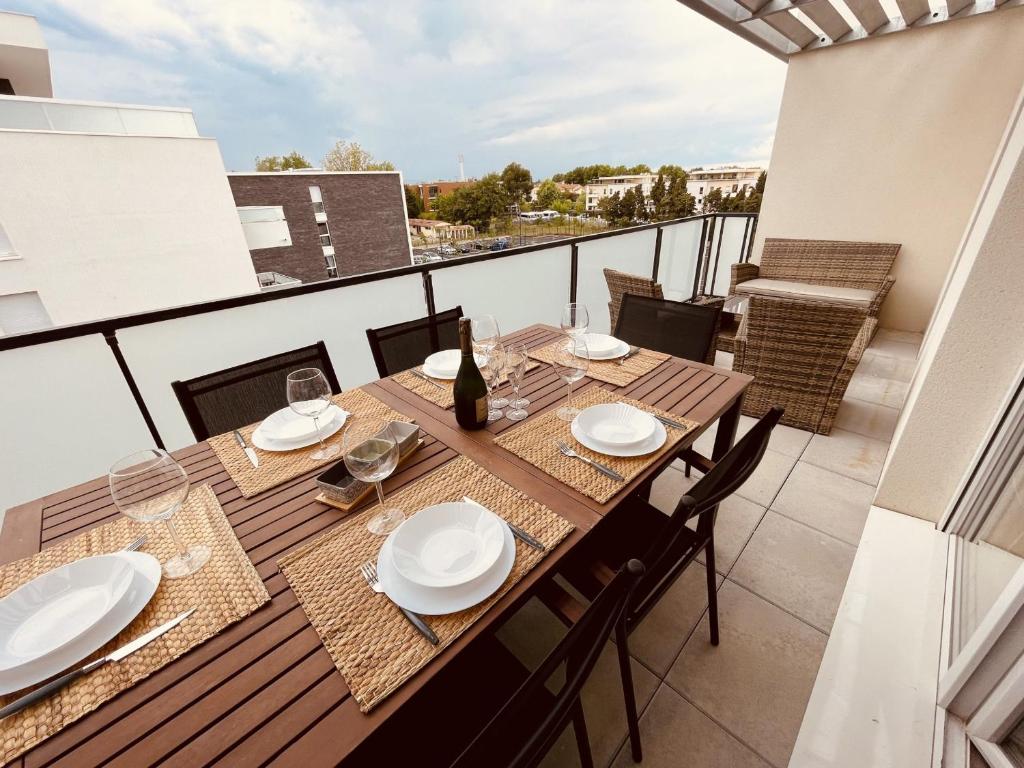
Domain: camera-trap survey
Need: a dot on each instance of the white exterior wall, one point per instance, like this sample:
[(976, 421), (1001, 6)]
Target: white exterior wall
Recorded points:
[(24, 59), (609, 185), (699, 183), (106, 225)]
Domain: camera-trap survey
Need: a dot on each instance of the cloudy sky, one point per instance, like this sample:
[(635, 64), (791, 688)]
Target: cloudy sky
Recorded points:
[(549, 83)]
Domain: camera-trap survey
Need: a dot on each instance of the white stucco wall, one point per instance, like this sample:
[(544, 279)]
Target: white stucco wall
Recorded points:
[(111, 224), (889, 140), (973, 351)]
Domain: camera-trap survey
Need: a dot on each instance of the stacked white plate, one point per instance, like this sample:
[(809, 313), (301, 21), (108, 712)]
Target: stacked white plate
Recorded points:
[(445, 364), (285, 430), (618, 429), (601, 346), (446, 558), (60, 617)]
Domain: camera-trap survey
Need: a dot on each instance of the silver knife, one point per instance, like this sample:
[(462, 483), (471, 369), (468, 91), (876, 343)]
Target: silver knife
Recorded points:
[(633, 350), (249, 452), (669, 422), (129, 648), (518, 532), (421, 375)]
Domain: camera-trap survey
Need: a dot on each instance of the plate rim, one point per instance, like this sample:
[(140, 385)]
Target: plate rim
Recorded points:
[(632, 443), (268, 441), (287, 409), (660, 434)]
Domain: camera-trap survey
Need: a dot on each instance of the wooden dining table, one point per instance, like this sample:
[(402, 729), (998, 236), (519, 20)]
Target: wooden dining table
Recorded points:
[(266, 687)]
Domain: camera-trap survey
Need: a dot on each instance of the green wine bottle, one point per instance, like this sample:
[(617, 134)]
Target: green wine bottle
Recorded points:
[(470, 390)]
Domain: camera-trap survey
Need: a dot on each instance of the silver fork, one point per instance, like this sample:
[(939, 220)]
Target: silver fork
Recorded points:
[(567, 451), (136, 545), (633, 350), (369, 572)]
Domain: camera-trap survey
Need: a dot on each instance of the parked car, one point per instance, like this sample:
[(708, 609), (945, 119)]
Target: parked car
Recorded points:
[(480, 246), (500, 244), (467, 247), (446, 250)]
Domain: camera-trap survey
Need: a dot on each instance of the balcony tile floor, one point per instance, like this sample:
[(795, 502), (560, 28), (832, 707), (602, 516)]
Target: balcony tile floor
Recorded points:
[(785, 544)]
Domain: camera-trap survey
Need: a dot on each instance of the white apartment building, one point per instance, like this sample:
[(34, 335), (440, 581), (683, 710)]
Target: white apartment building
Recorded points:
[(606, 186), (105, 209), (728, 178)]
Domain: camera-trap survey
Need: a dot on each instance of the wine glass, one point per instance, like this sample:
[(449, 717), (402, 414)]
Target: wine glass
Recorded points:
[(516, 358), (575, 319), (309, 395), (371, 455), (485, 331), (494, 362), (148, 486), (571, 362)]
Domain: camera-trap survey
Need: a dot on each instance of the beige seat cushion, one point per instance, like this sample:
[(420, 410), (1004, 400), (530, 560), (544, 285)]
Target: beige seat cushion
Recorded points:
[(787, 289)]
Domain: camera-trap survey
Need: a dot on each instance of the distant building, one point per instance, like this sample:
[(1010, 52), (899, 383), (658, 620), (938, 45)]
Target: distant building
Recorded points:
[(431, 190), (433, 231), (315, 225), (606, 186), (728, 178), (105, 209)]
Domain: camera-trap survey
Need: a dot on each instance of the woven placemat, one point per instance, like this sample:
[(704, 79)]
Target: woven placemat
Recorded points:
[(442, 394), (534, 441), (610, 371), (278, 467), (225, 590), (372, 644)]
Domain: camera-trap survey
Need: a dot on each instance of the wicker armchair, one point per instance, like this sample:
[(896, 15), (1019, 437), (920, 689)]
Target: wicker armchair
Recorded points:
[(801, 355), (621, 283), (857, 272)]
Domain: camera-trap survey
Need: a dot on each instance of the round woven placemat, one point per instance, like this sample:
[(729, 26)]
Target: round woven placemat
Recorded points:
[(535, 442), (225, 590), (610, 371), (371, 642), (278, 467), (441, 394)]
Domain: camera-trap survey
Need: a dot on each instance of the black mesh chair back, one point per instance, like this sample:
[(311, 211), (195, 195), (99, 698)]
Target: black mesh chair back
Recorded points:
[(505, 742), (401, 346), (678, 545), (672, 327), (225, 400)]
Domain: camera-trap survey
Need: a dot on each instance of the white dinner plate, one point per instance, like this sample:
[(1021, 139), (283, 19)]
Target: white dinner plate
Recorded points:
[(610, 353), (447, 544), (600, 344), (617, 425), (438, 601), (265, 443), (145, 579), (50, 611), (445, 364), (650, 445), (286, 425)]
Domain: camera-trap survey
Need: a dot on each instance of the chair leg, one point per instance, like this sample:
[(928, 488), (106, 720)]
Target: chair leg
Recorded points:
[(688, 468), (709, 559), (629, 695), (579, 727)]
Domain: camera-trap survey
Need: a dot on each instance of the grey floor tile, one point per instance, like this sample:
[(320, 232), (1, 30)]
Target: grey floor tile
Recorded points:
[(848, 454), (669, 487), (906, 337), (898, 368), (889, 347), (756, 683), (874, 389), (825, 500), (768, 478), (675, 734), (796, 567), (785, 440), (736, 521), (868, 419)]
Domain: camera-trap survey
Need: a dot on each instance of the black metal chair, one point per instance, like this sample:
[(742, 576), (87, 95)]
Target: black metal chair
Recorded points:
[(219, 402), (668, 546), (401, 346), (672, 327), (525, 728)]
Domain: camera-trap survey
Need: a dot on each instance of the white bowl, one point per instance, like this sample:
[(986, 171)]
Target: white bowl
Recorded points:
[(601, 344), (444, 363), (57, 607), (616, 424), (650, 445), (447, 544)]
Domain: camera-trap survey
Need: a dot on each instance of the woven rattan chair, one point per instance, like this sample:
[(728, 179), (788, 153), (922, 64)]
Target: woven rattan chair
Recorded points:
[(858, 272), (401, 346), (672, 327), (621, 283), (225, 400), (801, 355)]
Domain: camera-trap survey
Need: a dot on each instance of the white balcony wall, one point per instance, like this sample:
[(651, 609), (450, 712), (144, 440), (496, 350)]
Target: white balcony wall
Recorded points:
[(517, 290), (30, 114), (680, 251), (24, 59), (160, 353), (67, 415), (632, 252)]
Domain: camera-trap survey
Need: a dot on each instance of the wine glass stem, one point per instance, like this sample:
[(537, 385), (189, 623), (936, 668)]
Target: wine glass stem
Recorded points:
[(568, 399), (316, 425), (380, 493), (182, 550)]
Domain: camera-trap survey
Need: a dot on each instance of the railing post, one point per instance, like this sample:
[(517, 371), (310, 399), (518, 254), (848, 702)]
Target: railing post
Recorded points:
[(700, 257), (657, 256), (753, 231), (718, 253), (574, 266), (115, 348), (743, 245), (428, 293)]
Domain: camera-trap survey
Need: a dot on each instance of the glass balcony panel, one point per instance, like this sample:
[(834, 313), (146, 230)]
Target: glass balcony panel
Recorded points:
[(83, 119), (155, 122), (632, 253), (23, 115), (680, 249), (731, 234)]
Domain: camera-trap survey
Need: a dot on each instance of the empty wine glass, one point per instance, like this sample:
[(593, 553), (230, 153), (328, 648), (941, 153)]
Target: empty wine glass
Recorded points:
[(516, 358), (371, 455), (575, 319), (492, 370), (309, 394), (148, 486), (485, 331), (571, 362)]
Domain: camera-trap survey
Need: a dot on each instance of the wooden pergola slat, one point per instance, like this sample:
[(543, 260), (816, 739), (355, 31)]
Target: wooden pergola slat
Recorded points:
[(792, 28), (912, 10), (824, 14), (869, 13)]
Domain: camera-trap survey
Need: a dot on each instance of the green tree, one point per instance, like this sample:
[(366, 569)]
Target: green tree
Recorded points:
[(639, 168), (517, 182), (293, 160), (349, 156), (641, 213), (713, 201), (762, 179), (413, 201), (659, 193), (476, 204), (548, 194)]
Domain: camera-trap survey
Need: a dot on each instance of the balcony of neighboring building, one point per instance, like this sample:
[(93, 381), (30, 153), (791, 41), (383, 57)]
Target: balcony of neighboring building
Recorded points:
[(24, 59), (22, 113)]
